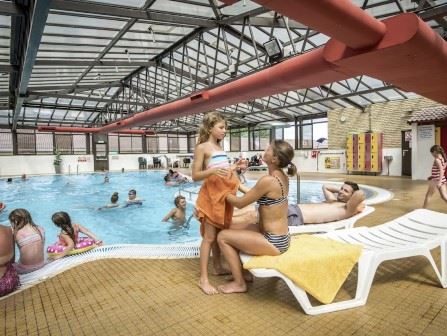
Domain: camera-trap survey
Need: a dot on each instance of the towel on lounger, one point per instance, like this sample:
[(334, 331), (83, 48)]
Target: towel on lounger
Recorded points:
[(318, 265), (211, 204)]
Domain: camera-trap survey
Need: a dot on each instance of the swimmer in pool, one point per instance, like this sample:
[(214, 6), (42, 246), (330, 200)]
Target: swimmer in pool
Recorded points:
[(178, 214)]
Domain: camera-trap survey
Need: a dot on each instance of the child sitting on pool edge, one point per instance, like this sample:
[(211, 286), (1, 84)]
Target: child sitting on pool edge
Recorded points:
[(69, 235), (177, 214)]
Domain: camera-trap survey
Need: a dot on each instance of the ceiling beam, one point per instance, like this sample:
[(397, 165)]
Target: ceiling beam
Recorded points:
[(37, 25), (10, 8), (93, 63), (129, 13), (90, 98)]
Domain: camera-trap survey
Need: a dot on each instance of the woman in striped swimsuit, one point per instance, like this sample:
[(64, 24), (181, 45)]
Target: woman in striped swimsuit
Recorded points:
[(437, 180), (271, 237)]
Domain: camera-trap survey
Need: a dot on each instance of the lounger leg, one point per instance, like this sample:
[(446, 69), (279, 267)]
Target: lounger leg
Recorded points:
[(441, 275), (368, 264)]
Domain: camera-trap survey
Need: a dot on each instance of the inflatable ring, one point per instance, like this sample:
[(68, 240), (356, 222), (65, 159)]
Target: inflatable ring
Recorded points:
[(83, 244)]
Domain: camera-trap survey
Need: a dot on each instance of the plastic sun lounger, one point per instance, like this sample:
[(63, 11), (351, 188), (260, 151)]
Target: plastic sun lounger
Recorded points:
[(347, 223), (414, 234)]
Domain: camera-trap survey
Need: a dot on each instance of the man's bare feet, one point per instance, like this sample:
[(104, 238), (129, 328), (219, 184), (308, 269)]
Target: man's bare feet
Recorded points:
[(207, 288), (233, 287)]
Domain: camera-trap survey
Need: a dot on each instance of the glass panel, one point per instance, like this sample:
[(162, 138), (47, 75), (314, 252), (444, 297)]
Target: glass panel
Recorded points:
[(79, 144), (279, 133), (125, 144), (173, 144), (137, 144), (44, 143), (152, 144), (289, 135), (235, 141), (307, 136), (162, 143), (6, 143), (320, 135), (113, 144), (26, 143), (63, 143)]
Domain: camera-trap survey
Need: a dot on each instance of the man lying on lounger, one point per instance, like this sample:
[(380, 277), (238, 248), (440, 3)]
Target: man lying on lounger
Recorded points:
[(339, 204)]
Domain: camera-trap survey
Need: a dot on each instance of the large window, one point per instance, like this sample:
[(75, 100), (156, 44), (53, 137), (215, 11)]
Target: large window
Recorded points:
[(260, 139), (235, 140), (320, 133), (6, 147), (152, 144), (26, 142), (306, 131), (44, 143), (130, 144)]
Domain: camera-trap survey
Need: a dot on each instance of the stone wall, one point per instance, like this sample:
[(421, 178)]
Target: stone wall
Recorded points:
[(389, 118)]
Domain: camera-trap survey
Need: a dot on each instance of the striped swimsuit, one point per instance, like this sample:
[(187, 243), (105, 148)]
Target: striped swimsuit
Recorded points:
[(281, 242), (219, 159), (436, 174)]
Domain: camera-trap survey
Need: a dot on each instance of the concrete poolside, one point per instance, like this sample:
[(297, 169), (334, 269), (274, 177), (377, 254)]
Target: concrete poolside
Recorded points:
[(160, 297)]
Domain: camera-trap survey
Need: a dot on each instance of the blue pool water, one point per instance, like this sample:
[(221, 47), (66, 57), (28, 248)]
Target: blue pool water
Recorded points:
[(82, 195)]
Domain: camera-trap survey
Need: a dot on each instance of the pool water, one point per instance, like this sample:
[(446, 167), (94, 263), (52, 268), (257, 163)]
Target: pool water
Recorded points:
[(82, 195)]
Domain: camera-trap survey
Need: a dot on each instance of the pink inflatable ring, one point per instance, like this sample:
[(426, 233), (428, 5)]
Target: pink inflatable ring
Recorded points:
[(83, 244)]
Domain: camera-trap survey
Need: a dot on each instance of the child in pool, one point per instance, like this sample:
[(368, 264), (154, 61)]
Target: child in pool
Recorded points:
[(69, 234), (132, 198), (113, 202), (30, 238), (178, 214)]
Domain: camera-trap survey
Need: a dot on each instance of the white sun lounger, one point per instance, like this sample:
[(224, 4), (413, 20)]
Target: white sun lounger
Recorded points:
[(347, 223), (414, 234)]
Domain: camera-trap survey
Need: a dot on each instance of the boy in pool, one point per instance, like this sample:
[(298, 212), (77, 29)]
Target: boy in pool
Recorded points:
[(178, 214), (113, 202), (132, 198)]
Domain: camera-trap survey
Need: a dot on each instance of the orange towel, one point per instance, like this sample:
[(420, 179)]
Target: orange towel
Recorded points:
[(211, 205)]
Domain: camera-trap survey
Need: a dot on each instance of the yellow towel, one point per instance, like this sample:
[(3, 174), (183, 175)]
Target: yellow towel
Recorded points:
[(318, 265)]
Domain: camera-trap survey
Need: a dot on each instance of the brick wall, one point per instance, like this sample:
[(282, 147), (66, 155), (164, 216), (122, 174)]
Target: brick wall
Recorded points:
[(389, 118)]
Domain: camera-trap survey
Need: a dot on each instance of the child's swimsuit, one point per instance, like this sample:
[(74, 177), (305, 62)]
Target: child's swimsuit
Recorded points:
[(10, 280), (436, 174), (219, 159), (36, 239)]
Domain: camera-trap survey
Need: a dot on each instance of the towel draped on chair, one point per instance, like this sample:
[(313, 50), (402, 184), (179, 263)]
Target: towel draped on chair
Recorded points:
[(211, 203), (319, 266)]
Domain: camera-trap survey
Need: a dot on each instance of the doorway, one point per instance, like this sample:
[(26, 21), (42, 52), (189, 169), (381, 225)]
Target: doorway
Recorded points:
[(406, 153), (100, 152)]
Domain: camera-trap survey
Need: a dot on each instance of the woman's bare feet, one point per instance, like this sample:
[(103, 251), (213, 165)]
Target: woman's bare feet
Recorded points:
[(220, 270), (233, 287), (207, 288)]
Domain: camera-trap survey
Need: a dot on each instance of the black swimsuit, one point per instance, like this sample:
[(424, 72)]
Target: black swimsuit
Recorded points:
[(281, 242)]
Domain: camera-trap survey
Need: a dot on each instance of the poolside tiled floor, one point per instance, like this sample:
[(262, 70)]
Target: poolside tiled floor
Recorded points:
[(160, 297)]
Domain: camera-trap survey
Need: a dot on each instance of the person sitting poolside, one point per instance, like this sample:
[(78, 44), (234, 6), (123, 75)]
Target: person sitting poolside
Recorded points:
[(339, 204), (178, 214), (132, 198), (113, 202), (9, 279)]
